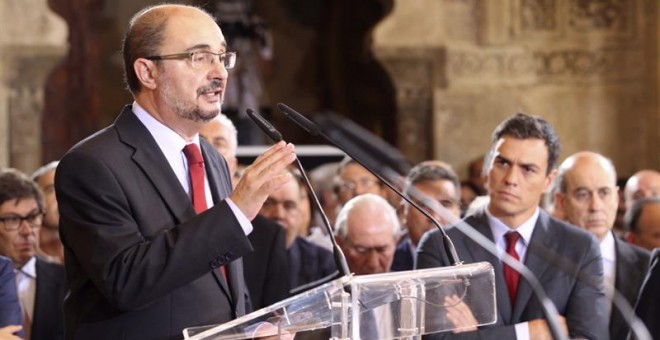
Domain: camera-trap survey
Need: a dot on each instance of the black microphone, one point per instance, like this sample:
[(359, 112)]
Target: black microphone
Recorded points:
[(276, 136), (367, 161), (343, 140)]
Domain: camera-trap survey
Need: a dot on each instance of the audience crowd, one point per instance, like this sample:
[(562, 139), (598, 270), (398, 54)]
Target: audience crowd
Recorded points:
[(377, 234)]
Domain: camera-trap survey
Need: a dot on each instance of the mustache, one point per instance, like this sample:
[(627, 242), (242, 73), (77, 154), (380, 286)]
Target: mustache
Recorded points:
[(215, 85)]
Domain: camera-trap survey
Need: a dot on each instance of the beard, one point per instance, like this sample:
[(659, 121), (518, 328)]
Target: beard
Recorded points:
[(187, 109)]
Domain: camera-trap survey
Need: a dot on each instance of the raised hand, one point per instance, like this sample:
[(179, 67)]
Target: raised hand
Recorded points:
[(263, 177)]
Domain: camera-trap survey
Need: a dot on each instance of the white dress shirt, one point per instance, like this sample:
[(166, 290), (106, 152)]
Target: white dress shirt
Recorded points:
[(26, 284), (172, 144), (608, 251)]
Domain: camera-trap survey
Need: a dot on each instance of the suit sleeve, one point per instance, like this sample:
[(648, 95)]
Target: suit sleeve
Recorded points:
[(10, 309), (105, 211), (585, 311)]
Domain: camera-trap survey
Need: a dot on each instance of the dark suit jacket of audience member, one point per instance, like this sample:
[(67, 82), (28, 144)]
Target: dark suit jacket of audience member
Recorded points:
[(141, 263), (10, 307), (581, 303), (48, 318), (266, 269), (403, 256), (308, 262), (631, 265), (648, 308)]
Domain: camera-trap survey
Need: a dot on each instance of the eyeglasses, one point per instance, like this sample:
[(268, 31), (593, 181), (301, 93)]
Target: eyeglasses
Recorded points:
[(13, 223), (430, 204), (201, 59), (380, 250), (365, 183)]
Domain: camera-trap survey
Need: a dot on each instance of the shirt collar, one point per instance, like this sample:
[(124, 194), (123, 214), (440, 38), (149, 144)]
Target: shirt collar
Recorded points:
[(29, 268), (607, 248), (498, 228), (170, 142)]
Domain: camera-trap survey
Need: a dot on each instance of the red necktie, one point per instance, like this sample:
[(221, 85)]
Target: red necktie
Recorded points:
[(196, 169), (511, 276)]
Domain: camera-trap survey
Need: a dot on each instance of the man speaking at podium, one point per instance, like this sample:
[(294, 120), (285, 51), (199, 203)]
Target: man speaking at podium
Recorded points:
[(521, 167), (152, 232)]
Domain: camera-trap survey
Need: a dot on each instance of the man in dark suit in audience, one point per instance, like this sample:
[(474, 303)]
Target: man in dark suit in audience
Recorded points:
[(41, 285), (588, 197), (520, 169), (266, 268), (152, 231), (435, 184), (308, 262)]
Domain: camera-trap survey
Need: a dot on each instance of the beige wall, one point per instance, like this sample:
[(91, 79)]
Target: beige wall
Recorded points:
[(459, 67), (32, 40), (593, 77)]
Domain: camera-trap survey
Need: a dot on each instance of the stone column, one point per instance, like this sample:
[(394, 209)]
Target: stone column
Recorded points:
[(32, 41)]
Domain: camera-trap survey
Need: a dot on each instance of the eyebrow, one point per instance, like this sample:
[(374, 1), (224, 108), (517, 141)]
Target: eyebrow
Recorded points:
[(205, 47), (530, 165)]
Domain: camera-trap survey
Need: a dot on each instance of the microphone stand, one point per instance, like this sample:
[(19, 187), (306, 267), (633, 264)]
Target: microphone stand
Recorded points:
[(336, 137), (276, 136)]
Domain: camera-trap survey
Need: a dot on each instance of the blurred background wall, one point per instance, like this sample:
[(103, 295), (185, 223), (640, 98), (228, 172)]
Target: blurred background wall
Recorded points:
[(432, 77)]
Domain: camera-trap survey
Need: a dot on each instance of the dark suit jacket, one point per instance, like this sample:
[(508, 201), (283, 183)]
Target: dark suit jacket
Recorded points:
[(141, 264), (631, 265), (267, 268), (403, 256), (48, 319), (556, 254), (10, 307), (309, 262), (648, 308)]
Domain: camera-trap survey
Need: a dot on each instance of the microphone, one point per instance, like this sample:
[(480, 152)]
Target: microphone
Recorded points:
[(276, 136), (368, 162), (337, 136)]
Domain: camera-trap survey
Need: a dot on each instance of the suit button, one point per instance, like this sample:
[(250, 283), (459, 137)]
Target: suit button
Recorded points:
[(215, 264)]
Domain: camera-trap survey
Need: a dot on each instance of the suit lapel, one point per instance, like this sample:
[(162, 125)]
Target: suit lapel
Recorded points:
[(219, 192), (480, 223), (154, 165), (626, 275), (541, 242)]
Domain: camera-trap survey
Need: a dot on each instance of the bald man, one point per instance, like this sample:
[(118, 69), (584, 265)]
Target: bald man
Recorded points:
[(588, 197), (643, 184)]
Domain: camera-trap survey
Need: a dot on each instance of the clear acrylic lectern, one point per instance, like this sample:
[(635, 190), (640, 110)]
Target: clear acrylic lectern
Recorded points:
[(382, 306)]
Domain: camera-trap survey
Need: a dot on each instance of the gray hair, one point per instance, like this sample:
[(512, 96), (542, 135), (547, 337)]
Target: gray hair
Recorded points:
[(233, 132), (43, 170), (633, 214), (372, 203)]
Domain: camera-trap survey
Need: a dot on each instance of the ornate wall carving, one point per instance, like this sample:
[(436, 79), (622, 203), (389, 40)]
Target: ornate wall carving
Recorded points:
[(588, 66)]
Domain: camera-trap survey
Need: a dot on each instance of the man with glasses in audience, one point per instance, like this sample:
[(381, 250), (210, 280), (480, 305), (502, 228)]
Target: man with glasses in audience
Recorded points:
[(41, 285), (353, 180), (367, 230), (152, 231), (430, 184)]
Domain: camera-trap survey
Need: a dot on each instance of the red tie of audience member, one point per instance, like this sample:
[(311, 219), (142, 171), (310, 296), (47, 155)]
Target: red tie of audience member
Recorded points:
[(511, 276), (196, 169)]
